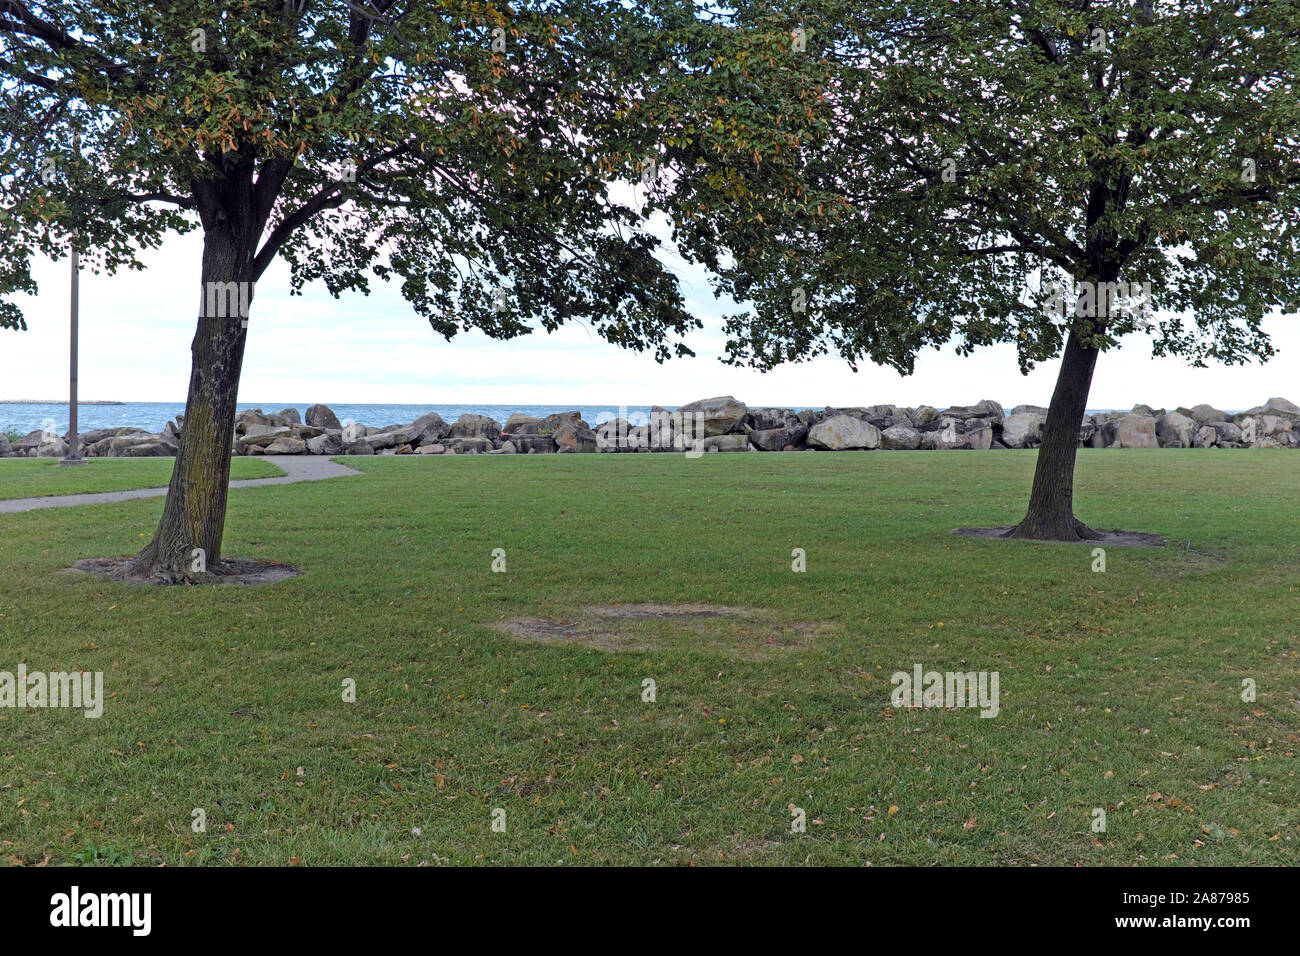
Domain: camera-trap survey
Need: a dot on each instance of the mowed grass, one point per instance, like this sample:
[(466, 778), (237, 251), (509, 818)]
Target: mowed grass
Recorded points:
[(1120, 691), (38, 477)]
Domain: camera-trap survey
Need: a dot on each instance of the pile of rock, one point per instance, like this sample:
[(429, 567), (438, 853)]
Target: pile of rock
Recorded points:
[(100, 443), (1275, 424), (709, 425), (257, 433)]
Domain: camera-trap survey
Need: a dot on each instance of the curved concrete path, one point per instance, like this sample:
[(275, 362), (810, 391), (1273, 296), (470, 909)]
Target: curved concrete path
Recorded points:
[(295, 467)]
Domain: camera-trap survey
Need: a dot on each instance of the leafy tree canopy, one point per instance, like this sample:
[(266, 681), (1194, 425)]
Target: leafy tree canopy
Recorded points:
[(462, 148), (961, 157)]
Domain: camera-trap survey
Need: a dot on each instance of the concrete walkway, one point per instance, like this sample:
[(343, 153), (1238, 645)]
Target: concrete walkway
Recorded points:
[(295, 467)]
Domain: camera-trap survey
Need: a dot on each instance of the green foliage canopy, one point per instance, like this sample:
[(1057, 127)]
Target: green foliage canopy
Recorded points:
[(461, 148), (960, 157)]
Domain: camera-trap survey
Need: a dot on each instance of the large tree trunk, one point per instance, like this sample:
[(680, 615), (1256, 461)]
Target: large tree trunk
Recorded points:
[(195, 512), (1051, 503)]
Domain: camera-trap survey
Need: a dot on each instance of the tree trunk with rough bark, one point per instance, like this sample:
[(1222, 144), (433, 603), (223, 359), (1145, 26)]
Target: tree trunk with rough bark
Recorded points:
[(1051, 502), (187, 543)]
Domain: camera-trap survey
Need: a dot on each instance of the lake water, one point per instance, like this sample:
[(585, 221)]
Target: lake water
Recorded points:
[(153, 416)]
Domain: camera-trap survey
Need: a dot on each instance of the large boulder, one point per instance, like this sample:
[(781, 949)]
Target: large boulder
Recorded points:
[(390, 439), (321, 416), (476, 426), (1175, 430), (520, 424), (100, 448), (248, 417), (900, 438), (923, 415), (132, 446), (1022, 429), (40, 444), (575, 437), (287, 446), (1038, 410), (86, 439), (1251, 434), (1273, 425), (263, 435), (661, 433), (979, 435), (31, 441), (1227, 432), (1205, 437), (1105, 432), (777, 439), (946, 437), (52, 447), (469, 445), (148, 449), (675, 431), (5, 447), (289, 416), (1278, 407), (556, 419), (357, 447), (1204, 414), (727, 443), (721, 416), (811, 416), (533, 444), (766, 419), (861, 412), (902, 416), (643, 438), (882, 416), (325, 444), (843, 432), (986, 408), (536, 436), (611, 436), (1136, 431), (620, 435)]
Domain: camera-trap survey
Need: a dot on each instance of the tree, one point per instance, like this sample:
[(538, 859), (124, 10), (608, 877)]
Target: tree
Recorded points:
[(1042, 173), (462, 148)]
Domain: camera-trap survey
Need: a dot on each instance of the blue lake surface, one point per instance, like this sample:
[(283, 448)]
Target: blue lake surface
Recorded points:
[(153, 416)]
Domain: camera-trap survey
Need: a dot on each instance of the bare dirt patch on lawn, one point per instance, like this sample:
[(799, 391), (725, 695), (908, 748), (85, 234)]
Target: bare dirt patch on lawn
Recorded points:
[(744, 633)]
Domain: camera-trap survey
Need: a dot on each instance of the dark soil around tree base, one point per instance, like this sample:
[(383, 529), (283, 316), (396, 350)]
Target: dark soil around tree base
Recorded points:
[(226, 571), (1105, 538)]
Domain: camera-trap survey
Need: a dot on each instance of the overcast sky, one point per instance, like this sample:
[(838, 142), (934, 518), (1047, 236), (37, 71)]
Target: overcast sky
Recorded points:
[(136, 330)]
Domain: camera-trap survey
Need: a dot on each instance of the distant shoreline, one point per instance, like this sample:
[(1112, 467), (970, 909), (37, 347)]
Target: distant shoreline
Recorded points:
[(64, 401)]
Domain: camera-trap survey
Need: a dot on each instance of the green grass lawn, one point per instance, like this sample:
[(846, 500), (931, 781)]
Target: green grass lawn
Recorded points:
[(1119, 690), (37, 477)]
